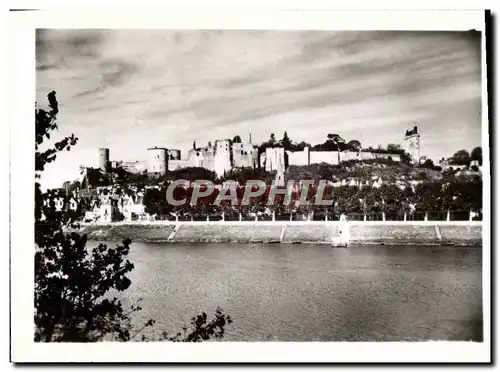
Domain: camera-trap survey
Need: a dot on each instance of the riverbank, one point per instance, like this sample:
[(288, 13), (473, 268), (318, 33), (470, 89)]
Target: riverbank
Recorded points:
[(465, 233)]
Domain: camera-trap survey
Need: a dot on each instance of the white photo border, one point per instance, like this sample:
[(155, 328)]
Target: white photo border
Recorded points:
[(21, 98)]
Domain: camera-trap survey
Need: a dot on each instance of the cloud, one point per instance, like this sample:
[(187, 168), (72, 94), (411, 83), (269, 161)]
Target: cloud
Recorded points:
[(60, 47), (188, 85), (112, 73)]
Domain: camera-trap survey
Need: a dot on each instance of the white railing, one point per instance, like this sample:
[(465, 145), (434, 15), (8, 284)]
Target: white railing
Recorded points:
[(284, 222)]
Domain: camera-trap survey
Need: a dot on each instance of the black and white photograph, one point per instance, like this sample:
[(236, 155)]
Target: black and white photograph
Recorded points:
[(208, 186)]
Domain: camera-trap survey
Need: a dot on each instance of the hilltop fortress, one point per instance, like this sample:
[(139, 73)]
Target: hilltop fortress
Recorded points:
[(224, 155)]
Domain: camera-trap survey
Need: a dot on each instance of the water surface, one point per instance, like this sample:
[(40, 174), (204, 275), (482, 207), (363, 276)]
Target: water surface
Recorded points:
[(281, 292)]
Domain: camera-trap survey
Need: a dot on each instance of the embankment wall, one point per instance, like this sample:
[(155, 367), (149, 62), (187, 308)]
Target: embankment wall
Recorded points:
[(387, 233)]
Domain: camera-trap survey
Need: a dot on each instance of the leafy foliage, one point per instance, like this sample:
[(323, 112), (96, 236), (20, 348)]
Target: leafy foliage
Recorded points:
[(477, 154), (76, 287), (245, 174), (45, 124), (461, 157), (203, 329), (354, 145)]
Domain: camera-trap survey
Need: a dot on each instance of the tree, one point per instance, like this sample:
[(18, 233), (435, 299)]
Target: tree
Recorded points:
[(95, 177), (346, 200), (393, 147), (354, 145), (237, 139), (286, 142), (243, 175), (300, 146), (338, 142), (335, 138), (271, 142), (428, 164), (73, 283), (394, 198), (153, 201), (462, 195), (461, 157), (272, 139), (428, 196), (73, 186), (477, 154), (405, 157), (191, 174)]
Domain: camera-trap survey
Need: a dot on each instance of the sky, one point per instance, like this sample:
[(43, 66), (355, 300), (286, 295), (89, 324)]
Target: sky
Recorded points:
[(133, 89)]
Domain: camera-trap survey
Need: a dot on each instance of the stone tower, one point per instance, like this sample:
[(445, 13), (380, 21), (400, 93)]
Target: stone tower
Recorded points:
[(104, 159), (157, 160), (222, 161), (412, 144)]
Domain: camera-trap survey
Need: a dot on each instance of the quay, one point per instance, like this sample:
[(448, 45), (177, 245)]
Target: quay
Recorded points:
[(465, 233)]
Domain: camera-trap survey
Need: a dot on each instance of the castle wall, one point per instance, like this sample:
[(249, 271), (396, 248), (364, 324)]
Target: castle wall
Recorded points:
[(330, 157), (178, 164), (226, 155), (134, 166), (299, 157), (349, 155), (366, 155), (272, 158), (394, 157)]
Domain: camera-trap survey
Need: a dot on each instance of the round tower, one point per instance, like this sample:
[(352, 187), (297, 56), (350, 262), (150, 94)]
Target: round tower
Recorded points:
[(157, 160), (104, 159)]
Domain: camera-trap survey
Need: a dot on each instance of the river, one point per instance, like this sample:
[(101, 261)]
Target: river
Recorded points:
[(280, 292)]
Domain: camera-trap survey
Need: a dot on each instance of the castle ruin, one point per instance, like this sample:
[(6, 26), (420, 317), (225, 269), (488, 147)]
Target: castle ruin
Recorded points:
[(225, 155)]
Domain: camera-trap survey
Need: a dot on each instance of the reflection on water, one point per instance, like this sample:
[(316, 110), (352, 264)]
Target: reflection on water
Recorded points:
[(312, 292)]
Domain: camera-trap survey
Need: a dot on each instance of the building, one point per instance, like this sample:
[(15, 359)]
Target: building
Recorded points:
[(202, 156), (227, 154), (131, 207), (223, 156), (244, 154), (104, 159), (73, 204), (222, 160), (106, 211), (157, 162), (272, 159), (412, 144)]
